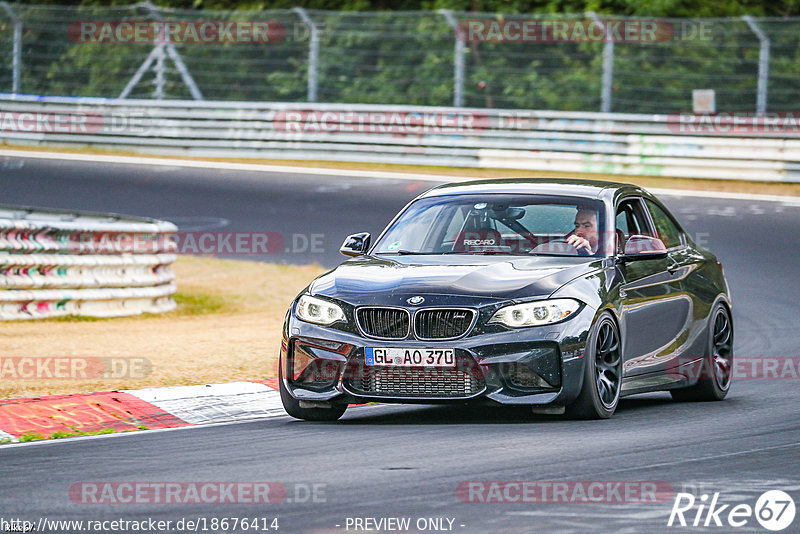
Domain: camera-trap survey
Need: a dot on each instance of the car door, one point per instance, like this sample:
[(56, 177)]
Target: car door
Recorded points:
[(654, 312), (683, 261)]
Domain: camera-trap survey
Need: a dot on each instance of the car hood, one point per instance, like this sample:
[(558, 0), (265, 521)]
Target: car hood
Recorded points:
[(451, 279)]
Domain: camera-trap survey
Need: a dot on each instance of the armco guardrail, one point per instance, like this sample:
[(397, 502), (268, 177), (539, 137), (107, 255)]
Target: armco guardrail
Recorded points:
[(65, 263), (726, 146)]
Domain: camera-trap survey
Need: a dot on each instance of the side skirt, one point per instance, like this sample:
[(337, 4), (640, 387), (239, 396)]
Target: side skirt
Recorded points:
[(659, 381)]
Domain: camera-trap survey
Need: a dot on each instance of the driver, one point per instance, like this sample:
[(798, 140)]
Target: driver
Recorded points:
[(582, 240), (585, 236)]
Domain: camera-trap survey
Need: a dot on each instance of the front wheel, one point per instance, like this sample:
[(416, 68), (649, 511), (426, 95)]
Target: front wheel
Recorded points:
[(715, 371), (602, 374), (292, 405)]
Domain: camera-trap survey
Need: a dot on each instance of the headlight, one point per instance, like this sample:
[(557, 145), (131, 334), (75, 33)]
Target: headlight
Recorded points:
[(318, 311), (535, 313)]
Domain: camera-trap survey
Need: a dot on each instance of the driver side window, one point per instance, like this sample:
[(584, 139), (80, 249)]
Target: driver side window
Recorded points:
[(630, 220), (667, 231)]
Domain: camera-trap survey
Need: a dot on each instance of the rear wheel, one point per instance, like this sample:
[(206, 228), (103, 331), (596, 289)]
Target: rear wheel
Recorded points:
[(292, 405), (602, 376), (715, 372)]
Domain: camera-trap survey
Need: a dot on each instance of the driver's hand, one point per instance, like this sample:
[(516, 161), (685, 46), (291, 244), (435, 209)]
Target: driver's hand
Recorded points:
[(579, 242)]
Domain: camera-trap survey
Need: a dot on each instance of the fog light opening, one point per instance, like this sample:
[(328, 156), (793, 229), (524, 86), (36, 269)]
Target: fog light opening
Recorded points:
[(309, 370), (520, 375)]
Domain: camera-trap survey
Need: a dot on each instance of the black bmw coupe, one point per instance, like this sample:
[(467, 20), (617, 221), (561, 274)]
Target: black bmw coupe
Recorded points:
[(562, 295)]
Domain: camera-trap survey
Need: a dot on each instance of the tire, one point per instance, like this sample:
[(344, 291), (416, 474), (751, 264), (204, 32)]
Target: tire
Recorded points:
[(292, 405), (602, 373), (715, 373)]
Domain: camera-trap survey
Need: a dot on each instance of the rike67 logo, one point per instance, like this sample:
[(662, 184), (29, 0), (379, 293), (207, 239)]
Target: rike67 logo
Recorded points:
[(774, 510)]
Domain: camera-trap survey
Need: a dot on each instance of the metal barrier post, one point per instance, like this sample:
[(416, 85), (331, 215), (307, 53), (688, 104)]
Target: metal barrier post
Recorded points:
[(608, 65), (313, 52), (160, 80), (16, 55), (763, 64), (458, 59)]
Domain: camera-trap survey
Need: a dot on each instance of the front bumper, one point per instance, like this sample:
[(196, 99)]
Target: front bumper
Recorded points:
[(528, 366)]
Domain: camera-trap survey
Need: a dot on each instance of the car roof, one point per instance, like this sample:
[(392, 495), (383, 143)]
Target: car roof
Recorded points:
[(543, 186)]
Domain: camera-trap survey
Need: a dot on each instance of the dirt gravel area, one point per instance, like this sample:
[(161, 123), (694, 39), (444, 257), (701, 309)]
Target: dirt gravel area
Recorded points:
[(227, 327)]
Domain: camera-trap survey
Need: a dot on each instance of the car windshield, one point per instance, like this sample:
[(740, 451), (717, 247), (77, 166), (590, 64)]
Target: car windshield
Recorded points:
[(496, 224)]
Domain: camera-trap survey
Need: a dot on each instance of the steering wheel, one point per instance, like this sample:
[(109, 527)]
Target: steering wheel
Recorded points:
[(564, 246)]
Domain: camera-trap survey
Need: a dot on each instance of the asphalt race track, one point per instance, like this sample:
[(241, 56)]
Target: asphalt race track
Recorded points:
[(406, 461)]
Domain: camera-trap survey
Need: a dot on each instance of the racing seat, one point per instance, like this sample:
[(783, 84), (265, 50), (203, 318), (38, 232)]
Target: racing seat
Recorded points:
[(476, 239), (620, 238)]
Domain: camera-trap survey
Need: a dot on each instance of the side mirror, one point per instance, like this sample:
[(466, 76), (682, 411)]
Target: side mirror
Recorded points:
[(355, 244), (644, 247)]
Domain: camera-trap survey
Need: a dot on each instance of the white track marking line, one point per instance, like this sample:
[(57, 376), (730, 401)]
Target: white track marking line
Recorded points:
[(254, 167), (788, 200)]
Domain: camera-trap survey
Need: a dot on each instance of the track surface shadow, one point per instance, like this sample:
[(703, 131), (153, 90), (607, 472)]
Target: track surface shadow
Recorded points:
[(465, 414)]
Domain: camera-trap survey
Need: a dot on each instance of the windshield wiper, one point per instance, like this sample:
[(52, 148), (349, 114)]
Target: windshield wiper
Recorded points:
[(402, 252), (417, 253)]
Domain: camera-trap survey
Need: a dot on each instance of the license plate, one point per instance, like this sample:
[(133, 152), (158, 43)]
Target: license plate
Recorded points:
[(396, 357)]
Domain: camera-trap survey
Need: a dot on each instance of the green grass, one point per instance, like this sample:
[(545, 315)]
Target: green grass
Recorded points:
[(30, 436), (197, 304), (74, 318), (188, 304), (72, 433)]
